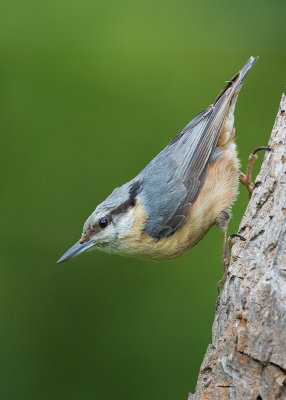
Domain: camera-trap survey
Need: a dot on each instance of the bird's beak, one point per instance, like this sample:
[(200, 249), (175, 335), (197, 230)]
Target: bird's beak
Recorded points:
[(78, 248)]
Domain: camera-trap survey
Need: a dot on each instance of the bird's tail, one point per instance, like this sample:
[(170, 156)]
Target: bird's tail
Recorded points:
[(236, 82), (244, 71)]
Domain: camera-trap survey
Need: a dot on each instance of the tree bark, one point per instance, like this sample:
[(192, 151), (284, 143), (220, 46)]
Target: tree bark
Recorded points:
[(247, 357)]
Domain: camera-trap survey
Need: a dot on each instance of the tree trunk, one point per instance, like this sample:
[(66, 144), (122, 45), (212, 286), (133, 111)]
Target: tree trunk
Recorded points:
[(247, 357)]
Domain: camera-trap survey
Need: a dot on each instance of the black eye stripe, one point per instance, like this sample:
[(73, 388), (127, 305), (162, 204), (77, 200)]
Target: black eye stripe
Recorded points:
[(103, 222)]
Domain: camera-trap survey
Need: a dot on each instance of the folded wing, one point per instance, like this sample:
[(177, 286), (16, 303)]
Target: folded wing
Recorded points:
[(172, 180)]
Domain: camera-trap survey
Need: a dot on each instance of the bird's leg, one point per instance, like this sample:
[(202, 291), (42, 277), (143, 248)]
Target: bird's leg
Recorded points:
[(222, 223), (246, 179), (225, 261)]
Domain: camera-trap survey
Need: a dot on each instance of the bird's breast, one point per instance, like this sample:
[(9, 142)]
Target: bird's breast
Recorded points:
[(217, 194)]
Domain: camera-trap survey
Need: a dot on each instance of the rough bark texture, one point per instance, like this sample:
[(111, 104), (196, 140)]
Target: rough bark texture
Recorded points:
[(247, 357)]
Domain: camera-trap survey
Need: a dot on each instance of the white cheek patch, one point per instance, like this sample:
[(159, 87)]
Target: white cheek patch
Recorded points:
[(123, 223), (105, 234)]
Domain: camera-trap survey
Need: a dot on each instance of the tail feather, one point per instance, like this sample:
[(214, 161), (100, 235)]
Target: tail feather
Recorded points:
[(236, 82), (244, 70)]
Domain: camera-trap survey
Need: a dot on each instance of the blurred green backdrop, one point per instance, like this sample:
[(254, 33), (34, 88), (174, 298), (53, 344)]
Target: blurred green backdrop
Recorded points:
[(90, 92)]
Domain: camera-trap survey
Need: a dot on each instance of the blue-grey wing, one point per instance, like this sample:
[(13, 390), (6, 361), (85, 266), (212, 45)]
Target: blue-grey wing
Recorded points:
[(171, 182)]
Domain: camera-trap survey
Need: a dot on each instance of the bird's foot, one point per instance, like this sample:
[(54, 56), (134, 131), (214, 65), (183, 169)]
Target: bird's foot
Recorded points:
[(246, 180)]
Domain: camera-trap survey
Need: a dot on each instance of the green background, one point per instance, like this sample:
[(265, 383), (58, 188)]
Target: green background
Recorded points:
[(90, 92)]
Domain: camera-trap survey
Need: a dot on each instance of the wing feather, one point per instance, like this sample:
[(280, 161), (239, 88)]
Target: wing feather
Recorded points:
[(171, 182)]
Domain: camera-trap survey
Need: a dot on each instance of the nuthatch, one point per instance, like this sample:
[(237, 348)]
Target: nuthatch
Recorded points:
[(185, 190)]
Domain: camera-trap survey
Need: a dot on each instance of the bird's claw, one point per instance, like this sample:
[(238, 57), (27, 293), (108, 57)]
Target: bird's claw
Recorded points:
[(246, 180)]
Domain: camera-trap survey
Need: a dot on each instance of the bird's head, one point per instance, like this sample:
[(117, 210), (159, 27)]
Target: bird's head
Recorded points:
[(109, 223)]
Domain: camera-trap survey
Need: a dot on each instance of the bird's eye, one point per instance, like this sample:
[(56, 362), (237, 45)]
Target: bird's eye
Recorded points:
[(103, 222)]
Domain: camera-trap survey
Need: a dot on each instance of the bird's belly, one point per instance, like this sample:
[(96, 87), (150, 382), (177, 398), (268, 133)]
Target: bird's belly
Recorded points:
[(217, 194)]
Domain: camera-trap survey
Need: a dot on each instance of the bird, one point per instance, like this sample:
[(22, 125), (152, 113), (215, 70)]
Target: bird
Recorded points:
[(186, 189)]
